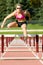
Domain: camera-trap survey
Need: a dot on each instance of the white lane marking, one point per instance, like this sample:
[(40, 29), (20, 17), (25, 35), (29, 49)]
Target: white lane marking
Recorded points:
[(2, 54), (34, 54), (28, 49)]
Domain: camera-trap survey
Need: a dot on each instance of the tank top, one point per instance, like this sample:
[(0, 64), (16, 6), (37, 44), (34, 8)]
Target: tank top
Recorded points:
[(20, 17)]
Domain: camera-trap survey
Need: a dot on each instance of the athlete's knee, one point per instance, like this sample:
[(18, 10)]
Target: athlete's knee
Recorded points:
[(23, 26), (8, 26)]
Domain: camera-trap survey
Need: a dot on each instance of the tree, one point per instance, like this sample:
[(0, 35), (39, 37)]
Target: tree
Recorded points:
[(36, 3), (8, 6)]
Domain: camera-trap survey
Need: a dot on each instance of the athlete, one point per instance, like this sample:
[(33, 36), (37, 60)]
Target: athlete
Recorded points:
[(20, 16)]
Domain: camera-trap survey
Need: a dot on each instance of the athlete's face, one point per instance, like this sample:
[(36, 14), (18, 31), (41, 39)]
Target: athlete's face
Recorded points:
[(18, 8)]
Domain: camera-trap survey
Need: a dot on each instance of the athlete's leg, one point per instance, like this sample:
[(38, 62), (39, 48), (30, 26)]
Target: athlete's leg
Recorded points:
[(24, 28), (12, 24)]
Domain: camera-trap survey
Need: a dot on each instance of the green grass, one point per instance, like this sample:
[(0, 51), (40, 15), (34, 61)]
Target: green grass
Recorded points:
[(35, 26), (29, 27), (20, 33)]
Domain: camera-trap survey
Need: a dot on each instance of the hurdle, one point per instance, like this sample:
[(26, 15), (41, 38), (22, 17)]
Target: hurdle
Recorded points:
[(9, 39), (35, 38), (30, 38), (2, 41), (37, 46)]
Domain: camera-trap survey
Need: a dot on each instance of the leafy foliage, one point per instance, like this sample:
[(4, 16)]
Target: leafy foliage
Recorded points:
[(35, 7)]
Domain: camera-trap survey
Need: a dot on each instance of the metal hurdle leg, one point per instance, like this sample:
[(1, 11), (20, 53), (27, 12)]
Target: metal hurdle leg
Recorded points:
[(2, 41), (29, 41), (33, 41), (11, 38), (42, 47), (42, 43), (7, 41), (37, 46)]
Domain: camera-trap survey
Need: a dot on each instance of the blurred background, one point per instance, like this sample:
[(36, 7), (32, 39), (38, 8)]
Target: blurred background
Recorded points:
[(35, 7)]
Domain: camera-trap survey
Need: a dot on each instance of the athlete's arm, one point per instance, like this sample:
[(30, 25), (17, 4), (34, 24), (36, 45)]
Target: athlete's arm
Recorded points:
[(27, 14), (7, 17)]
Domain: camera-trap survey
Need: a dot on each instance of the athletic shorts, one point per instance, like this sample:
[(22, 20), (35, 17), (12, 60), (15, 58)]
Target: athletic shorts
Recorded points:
[(21, 23)]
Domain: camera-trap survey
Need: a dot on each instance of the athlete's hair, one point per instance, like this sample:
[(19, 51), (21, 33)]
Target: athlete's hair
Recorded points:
[(19, 5)]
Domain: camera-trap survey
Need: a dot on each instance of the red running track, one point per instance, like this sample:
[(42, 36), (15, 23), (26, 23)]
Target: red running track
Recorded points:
[(19, 54)]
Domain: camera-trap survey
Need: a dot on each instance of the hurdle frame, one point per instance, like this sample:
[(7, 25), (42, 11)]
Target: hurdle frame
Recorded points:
[(20, 36), (25, 58)]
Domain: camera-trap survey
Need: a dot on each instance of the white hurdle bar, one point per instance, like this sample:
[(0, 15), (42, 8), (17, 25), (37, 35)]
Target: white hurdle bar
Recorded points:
[(37, 30)]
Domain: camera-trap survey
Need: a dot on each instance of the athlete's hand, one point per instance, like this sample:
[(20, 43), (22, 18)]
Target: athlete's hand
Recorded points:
[(2, 26), (3, 23)]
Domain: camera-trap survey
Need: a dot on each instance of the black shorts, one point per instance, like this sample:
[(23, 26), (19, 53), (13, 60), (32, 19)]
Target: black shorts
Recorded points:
[(21, 23)]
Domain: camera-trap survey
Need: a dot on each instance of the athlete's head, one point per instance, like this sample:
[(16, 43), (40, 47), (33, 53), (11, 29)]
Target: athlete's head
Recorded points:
[(18, 7)]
